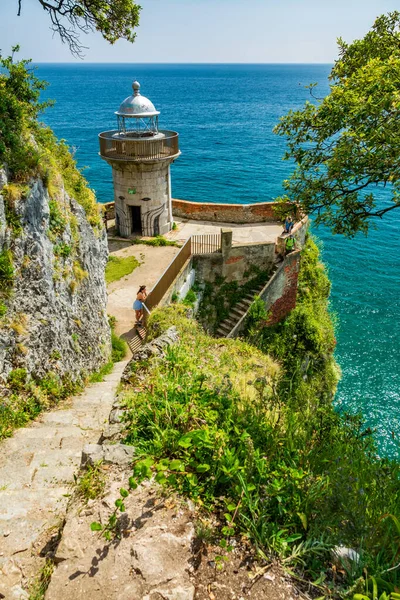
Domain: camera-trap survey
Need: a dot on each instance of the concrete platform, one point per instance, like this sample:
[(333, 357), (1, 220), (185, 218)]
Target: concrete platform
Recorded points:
[(242, 234)]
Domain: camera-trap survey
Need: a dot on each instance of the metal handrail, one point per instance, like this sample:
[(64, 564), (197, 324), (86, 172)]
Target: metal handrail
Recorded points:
[(116, 147), (195, 245)]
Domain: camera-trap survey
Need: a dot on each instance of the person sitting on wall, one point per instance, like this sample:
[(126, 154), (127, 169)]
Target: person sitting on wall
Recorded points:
[(138, 304), (290, 244), (288, 225)]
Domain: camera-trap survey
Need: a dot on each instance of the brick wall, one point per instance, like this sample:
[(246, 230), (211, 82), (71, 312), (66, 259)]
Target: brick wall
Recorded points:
[(224, 213), (280, 307)]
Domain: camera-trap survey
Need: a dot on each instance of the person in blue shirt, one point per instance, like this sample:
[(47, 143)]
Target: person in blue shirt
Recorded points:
[(288, 225)]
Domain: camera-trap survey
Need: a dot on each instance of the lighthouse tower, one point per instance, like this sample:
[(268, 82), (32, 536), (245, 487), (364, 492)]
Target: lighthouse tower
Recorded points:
[(140, 156)]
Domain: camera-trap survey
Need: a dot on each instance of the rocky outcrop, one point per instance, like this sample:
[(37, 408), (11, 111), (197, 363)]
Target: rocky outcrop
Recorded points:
[(56, 317)]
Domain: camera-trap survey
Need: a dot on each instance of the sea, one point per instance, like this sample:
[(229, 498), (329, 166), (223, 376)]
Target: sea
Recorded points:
[(225, 115)]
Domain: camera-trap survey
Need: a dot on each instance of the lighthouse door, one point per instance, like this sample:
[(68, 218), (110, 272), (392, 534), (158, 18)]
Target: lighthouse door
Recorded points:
[(136, 219)]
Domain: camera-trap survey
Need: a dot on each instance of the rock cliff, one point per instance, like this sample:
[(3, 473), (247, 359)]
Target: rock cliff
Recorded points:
[(52, 289)]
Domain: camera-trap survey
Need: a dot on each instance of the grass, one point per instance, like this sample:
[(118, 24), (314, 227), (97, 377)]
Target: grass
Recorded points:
[(92, 482), (158, 240), (118, 267), (38, 588), (250, 434)]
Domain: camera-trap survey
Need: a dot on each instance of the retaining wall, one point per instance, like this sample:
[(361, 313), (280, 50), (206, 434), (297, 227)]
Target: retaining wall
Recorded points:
[(225, 213), (234, 263)]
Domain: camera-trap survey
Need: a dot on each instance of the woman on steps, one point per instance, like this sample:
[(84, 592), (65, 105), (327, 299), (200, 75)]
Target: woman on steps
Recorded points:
[(138, 304)]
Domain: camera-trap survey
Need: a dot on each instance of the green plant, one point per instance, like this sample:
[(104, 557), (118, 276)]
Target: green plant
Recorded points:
[(17, 379), (190, 298), (91, 483), (99, 375), (118, 267), (111, 527), (3, 309), (38, 587), (158, 240), (58, 221), (174, 297), (6, 269), (174, 226), (119, 348), (63, 250)]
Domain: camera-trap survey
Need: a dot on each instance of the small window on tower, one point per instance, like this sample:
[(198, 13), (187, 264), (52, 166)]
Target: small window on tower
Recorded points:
[(145, 199)]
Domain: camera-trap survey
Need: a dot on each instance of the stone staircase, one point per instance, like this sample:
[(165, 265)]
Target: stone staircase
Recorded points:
[(241, 308), (237, 312)]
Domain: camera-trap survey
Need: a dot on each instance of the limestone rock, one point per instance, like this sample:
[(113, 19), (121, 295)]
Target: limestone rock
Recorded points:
[(112, 454), (64, 322)]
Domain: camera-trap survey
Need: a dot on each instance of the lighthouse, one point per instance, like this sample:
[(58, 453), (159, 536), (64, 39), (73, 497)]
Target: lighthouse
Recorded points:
[(140, 155)]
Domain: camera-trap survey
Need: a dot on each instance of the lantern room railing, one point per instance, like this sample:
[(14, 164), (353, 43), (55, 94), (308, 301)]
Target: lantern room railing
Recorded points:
[(125, 148)]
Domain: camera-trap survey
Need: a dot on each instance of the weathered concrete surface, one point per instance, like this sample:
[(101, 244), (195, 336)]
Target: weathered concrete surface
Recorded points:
[(242, 234), (37, 467), (150, 560)]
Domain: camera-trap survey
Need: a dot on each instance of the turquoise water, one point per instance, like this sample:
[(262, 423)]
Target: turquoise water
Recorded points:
[(225, 115)]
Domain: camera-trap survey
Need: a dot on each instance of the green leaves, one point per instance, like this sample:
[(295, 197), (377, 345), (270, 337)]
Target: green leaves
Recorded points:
[(346, 146), (96, 526)]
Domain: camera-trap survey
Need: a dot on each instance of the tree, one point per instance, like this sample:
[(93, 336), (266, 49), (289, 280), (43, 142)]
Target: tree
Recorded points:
[(346, 146), (115, 19)]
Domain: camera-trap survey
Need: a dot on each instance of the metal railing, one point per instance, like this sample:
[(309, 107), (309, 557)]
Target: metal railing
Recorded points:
[(207, 243), (123, 148)]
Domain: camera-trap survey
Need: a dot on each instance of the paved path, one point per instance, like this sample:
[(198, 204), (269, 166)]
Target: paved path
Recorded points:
[(37, 467), (122, 293), (241, 234)]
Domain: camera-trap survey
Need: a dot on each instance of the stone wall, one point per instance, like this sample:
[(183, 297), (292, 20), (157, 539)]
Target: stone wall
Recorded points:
[(234, 262), (280, 292), (56, 317), (224, 213), (146, 186), (179, 283)]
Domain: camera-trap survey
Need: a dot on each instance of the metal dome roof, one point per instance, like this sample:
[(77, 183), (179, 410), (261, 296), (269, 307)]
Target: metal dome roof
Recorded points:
[(137, 106)]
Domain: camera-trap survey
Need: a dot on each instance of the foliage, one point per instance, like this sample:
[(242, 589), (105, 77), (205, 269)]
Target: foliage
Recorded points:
[(346, 145), (262, 446), (114, 19), (99, 375), (6, 270), (91, 483), (190, 298), (29, 149), (120, 266), (119, 348), (221, 296), (37, 589)]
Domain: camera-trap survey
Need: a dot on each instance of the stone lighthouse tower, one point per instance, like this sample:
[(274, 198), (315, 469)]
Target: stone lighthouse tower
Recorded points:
[(140, 156)]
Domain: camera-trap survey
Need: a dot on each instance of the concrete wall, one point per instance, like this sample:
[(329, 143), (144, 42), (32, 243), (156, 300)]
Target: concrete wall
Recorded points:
[(178, 285), (146, 185), (224, 213), (234, 262)]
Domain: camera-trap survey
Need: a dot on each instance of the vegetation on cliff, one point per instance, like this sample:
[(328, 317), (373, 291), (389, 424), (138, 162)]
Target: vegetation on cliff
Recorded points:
[(346, 144), (251, 435), (29, 149)]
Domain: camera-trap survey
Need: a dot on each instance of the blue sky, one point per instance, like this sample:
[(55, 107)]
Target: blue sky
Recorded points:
[(206, 31)]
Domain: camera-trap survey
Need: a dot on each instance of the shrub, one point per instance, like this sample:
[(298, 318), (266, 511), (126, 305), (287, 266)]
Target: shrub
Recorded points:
[(17, 379), (190, 298), (119, 348), (6, 269)]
